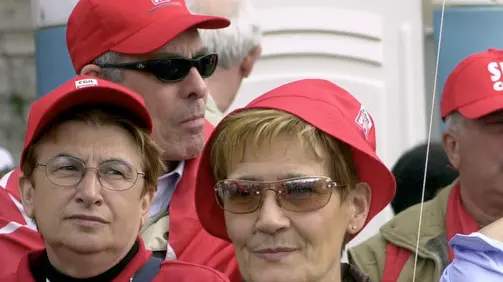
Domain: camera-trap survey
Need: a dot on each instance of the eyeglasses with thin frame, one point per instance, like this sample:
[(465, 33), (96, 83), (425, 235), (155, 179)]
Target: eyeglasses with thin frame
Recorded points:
[(301, 194), (113, 175), (172, 69)]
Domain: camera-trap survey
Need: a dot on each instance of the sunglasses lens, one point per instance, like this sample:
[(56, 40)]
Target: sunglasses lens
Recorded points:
[(175, 69), (206, 65), (306, 194), (299, 195), (171, 69), (238, 196)]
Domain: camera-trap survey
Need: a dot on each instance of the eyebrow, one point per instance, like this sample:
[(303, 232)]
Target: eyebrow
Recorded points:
[(291, 175), (281, 177), (84, 162), (163, 55)]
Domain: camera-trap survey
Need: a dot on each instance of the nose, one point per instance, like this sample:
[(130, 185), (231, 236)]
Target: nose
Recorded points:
[(194, 86), (271, 216), (89, 189)]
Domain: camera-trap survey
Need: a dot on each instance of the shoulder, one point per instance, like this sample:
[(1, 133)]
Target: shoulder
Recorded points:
[(370, 256), (478, 258), (182, 271), (404, 225)]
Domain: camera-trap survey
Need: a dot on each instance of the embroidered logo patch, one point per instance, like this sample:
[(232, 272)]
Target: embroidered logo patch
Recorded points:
[(364, 121)]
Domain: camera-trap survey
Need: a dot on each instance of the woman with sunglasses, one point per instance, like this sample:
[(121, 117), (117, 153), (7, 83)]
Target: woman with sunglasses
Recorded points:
[(89, 172), (290, 179)]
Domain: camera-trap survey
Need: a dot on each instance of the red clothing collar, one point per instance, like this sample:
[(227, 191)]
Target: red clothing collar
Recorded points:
[(458, 220)]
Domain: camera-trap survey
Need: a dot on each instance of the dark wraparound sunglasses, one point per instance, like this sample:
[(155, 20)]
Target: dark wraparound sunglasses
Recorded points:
[(172, 69)]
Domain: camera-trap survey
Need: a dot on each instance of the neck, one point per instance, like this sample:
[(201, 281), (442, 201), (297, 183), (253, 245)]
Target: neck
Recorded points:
[(85, 265), (481, 213), (224, 85)]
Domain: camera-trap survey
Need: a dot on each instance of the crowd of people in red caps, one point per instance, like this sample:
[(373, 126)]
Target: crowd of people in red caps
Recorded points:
[(130, 171)]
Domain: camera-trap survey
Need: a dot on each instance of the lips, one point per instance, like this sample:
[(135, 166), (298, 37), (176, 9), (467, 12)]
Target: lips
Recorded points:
[(88, 218), (275, 254), (193, 118), (275, 250)]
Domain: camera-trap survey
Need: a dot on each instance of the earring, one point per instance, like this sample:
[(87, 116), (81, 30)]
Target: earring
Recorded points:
[(353, 227)]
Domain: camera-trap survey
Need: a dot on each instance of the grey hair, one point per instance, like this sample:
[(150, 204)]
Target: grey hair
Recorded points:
[(111, 74), (455, 122), (233, 43)]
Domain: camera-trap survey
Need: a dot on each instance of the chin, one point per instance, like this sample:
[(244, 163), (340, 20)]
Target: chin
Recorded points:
[(87, 243), (274, 276), (193, 147)]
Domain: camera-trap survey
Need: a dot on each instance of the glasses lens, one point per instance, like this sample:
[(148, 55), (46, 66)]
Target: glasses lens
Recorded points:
[(206, 65), (64, 171), (175, 69), (117, 175), (238, 196), (305, 194), (171, 69)]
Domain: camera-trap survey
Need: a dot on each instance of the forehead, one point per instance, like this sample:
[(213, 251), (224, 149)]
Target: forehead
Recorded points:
[(89, 142), (283, 155)]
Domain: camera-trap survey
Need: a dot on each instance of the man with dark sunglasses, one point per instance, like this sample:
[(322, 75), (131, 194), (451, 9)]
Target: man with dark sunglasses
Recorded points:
[(153, 48)]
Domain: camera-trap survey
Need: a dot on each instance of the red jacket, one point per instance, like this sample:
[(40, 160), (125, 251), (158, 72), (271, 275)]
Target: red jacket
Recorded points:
[(176, 271), (189, 240)]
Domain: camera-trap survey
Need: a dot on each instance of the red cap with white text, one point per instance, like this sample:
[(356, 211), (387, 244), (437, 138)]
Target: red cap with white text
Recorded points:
[(128, 27), (475, 87), (80, 91)]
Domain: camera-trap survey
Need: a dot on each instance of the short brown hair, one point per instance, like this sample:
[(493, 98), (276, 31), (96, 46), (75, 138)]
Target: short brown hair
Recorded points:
[(254, 126), (152, 163)]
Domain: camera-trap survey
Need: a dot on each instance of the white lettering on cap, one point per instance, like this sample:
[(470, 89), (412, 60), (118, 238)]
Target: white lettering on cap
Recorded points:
[(364, 121), (496, 69), (159, 2), (86, 83)]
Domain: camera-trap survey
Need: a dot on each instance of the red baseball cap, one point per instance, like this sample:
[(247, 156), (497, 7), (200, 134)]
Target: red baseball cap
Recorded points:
[(128, 27), (79, 91), (475, 86), (332, 110)]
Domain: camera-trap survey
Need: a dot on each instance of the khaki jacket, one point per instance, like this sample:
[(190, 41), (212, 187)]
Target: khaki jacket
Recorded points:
[(433, 255)]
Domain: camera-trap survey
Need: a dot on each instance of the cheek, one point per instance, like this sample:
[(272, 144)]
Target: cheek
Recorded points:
[(48, 207), (239, 228), (124, 208), (323, 231)]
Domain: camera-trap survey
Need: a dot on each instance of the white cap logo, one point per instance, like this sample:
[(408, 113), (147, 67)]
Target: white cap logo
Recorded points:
[(496, 71), (86, 83), (364, 121), (159, 2)]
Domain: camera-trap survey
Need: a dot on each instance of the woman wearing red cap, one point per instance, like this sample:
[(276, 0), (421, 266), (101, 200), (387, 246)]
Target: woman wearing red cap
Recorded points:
[(290, 179), (89, 172)]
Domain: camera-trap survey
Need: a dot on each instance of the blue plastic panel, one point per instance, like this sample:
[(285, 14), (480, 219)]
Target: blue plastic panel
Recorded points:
[(53, 64)]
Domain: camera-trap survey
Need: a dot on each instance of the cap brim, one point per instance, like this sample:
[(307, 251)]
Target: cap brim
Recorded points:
[(482, 108), (158, 33), (103, 95), (370, 169)]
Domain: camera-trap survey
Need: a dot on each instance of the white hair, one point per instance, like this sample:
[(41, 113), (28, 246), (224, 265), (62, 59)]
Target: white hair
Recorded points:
[(111, 74), (455, 122), (233, 43)]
